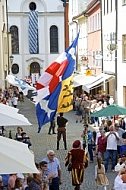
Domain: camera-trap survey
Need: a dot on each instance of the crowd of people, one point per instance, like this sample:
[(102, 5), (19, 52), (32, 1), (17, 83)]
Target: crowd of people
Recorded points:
[(10, 96), (48, 176), (107, 142), (106, 145)]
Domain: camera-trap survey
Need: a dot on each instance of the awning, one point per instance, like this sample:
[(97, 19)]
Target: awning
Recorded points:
[(99, 79), (80, 80), (102, 79), (88, 82)]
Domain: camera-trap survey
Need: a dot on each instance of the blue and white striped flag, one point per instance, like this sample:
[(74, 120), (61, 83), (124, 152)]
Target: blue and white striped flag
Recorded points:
[(33, 32)]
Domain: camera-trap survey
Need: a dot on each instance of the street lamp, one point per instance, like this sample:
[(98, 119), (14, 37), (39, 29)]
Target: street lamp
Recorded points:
[(11, 61)]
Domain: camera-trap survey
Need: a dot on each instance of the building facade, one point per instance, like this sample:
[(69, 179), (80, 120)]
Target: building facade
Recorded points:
[(106, 35), (37, 29), (121, 53), (5, 50)]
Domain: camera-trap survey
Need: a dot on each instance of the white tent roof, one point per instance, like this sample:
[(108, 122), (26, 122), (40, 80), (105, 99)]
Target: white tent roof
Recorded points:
[(89, 82), (105, 77), (82, 80)]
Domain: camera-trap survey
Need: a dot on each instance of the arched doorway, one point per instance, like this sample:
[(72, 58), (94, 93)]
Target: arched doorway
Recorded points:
[(34, 72), (34, 68)]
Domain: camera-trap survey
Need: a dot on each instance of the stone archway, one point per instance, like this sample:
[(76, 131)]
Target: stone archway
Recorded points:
[(34, 68)]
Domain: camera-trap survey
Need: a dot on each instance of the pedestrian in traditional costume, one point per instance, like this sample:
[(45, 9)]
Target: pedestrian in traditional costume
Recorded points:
[(100, 177), (61, 130), (79, 160)]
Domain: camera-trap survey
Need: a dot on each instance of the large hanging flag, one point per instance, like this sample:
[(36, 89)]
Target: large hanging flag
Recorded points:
[(55, 87), (33, 32)]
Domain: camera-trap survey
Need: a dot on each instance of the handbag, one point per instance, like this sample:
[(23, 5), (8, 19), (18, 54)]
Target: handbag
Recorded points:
[(69, 167)]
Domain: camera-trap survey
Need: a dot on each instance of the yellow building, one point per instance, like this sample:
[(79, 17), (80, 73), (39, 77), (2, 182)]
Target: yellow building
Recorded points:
[(5, 44)]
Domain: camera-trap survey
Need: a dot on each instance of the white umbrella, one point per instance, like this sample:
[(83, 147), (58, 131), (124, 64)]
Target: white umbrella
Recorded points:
[(15, 157), (9, 116)]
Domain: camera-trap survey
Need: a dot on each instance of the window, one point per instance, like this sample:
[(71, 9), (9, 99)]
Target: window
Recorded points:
[(72, 7), (3, 13), (124, 47), (15, 68), (123, 2), (93, 58), (104, 7), (111, 5), (32, 6), (98, 21), (53, 39), (98, 61), (93, 24), (90, 25), (107, 7), (14, 39)]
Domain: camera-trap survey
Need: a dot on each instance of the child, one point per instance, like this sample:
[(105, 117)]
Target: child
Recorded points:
[(29, 179), (100, 177), (26, 139)]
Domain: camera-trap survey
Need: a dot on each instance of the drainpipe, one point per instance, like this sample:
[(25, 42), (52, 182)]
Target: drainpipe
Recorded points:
[(76, 67), (101, 35), (116, 38), (8, 60)]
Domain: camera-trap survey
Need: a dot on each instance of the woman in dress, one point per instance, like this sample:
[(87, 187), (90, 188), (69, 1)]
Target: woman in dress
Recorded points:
[(79, 160), (100, 177)]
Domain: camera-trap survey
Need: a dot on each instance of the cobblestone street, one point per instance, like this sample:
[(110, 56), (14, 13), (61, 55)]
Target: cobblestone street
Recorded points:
[(41, 142)]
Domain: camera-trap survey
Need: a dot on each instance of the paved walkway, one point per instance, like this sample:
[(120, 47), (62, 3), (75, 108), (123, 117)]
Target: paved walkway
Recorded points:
[(41, 142)]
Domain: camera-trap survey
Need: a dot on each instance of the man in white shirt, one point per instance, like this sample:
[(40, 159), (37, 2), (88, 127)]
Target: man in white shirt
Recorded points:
[(111, 149), (119, 183)]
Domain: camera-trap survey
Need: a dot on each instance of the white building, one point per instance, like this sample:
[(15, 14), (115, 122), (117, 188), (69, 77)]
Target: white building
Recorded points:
[(78, 21), (121, 54), (114, 37), (37, 28), (108, 23), (5, 50), (113, 29)]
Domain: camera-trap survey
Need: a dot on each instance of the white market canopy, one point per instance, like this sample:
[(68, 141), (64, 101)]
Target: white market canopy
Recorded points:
[(88, 82), (15, 157), (9, 116)]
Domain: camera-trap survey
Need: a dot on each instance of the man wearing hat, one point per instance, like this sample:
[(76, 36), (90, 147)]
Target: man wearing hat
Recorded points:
[(121, 162), (79, 161)]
